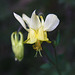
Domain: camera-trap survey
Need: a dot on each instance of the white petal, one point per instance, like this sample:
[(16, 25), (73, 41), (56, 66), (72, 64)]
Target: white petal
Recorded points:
[(26, 19), (35, 21), (20, 20), (51, 22)]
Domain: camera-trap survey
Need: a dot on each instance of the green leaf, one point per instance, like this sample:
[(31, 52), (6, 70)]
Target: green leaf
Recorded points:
[(56, 43), (45, 66)]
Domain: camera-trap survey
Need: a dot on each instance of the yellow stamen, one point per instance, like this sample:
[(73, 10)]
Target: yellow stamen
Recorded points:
[(38, 48)]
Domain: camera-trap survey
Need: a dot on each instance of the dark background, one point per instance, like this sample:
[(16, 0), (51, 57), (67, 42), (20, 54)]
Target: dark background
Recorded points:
[(65, 10)]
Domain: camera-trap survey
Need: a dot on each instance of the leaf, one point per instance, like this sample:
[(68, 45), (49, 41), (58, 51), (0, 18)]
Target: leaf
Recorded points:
[(45, 66), (56, 43)]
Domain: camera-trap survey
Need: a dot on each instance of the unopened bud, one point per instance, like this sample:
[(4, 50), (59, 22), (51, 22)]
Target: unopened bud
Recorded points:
[(17, 45)]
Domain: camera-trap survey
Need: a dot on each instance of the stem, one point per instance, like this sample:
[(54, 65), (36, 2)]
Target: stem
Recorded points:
[(49, 58), (19, 28), (57, 66)]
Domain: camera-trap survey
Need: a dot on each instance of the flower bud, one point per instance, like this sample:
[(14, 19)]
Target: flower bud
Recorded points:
[(17, 45)]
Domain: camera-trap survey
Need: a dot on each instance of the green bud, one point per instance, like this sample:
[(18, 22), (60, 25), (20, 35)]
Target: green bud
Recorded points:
[(17, 45)]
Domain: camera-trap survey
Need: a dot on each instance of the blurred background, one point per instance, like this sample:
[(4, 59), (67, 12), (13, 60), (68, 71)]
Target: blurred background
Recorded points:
[(65, 10)]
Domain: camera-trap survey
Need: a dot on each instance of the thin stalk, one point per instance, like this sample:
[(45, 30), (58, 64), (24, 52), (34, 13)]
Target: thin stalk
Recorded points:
[(57, 66), (49, 58), (19, 29)]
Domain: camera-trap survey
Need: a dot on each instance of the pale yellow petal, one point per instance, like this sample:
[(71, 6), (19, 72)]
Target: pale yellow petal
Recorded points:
[(31, 37), (42, 35), (42, 21)]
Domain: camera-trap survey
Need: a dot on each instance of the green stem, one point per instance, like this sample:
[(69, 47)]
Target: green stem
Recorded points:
[(57, 66), (49, 58)]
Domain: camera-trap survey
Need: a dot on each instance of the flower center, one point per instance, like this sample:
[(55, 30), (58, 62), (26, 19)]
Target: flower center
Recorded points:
[(37, 47)]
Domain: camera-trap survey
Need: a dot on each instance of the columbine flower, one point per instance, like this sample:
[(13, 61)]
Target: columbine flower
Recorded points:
[(38, 28), (17, 45)]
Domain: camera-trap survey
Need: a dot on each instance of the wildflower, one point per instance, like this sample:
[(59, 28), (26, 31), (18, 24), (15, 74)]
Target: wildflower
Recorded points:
[(37, 31), (17, 45)]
